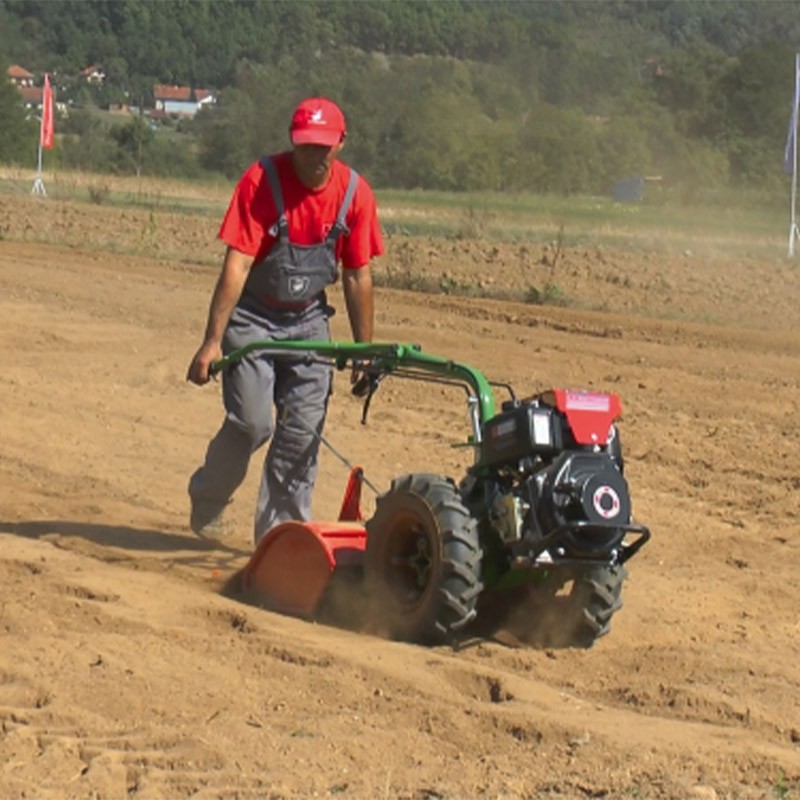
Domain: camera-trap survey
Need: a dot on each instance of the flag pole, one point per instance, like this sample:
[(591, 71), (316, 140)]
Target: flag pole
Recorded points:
[(45, 134), (38, 184), (793, 230)]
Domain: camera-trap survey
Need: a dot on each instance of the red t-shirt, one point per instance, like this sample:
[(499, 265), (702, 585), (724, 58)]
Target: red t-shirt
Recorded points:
[(310, 213)]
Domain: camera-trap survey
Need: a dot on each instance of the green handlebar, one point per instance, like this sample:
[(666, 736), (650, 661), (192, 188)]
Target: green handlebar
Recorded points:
[(386, 357)]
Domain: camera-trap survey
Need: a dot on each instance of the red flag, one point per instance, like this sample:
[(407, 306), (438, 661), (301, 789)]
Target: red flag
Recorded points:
[(46, 136)]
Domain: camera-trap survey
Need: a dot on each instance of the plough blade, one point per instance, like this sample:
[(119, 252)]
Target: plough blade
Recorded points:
[(294, 563)]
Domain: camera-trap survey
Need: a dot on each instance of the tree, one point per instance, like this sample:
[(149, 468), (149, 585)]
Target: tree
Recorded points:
[(757, 94), (17, 134), (226, 133), (563, 146), (133, 140), (688, 86)]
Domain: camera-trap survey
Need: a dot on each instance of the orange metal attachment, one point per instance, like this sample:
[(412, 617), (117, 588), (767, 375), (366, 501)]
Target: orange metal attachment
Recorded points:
[(351, 502), (294, 562)]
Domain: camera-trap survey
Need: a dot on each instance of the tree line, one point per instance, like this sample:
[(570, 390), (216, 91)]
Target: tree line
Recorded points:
[(449, 94)]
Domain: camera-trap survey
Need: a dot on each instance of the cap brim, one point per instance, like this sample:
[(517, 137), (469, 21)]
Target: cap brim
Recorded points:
[(327, 138)]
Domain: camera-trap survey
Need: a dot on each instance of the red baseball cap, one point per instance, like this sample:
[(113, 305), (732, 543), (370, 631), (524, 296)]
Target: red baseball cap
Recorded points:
[(317, 120)]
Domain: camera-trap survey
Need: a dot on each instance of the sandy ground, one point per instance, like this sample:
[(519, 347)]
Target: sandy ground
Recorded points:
[(124, 672)]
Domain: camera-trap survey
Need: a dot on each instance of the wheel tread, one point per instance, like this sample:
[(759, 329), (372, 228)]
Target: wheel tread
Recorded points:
[(453, 602)]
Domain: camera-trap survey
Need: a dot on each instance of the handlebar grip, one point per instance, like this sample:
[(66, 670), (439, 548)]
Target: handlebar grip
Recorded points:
[(216, 366)]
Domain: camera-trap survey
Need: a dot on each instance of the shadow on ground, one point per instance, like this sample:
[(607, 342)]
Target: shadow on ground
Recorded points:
[(207, 553)]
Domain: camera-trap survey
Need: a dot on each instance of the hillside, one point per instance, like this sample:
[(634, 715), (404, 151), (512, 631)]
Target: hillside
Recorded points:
[(561, 98)]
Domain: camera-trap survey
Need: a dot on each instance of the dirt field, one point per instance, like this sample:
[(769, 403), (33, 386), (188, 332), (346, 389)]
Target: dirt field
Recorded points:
[(125, 673)]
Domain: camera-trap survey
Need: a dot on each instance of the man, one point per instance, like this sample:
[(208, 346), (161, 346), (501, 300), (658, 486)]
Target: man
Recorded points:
[(293, 218)]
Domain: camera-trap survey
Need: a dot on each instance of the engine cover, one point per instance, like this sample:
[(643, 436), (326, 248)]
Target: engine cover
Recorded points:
[(586, 494), (589, 414), (600, 490), (520, 431), (545, 425)]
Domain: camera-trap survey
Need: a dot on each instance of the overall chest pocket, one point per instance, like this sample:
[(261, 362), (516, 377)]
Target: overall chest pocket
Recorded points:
[(294, 273)]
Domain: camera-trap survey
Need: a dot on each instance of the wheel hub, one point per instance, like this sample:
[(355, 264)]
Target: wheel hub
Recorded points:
[(418, 562)]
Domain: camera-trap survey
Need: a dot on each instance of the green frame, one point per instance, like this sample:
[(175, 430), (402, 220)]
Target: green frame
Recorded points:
[(386, 356)]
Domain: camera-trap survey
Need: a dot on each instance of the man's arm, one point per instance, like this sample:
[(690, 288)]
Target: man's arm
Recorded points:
[(235, 269), (357, 285)]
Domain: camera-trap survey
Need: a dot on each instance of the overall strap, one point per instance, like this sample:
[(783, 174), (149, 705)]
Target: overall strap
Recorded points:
[(277, 196), (340, 227)]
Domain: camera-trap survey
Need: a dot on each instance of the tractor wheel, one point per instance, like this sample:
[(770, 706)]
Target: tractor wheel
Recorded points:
[(423, 560), (569, 608)]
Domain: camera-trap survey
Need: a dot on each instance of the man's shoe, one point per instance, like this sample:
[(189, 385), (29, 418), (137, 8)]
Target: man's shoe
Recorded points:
[(209, 524)]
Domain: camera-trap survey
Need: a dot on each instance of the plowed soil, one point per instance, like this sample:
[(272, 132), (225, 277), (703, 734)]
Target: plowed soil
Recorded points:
[(125, 671)]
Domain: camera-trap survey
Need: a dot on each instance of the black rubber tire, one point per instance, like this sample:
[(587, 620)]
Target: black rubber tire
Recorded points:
[(569, 608), (423, 561)]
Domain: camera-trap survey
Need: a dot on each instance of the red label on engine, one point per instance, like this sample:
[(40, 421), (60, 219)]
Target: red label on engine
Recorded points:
[(590, 414), (587, 401)]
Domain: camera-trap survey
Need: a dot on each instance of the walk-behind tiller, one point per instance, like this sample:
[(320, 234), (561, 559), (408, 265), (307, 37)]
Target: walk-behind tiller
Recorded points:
[(539, 529)]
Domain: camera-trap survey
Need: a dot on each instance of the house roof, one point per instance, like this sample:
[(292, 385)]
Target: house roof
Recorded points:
[(90, 69), (161, 92), (185, 93), (31, 94), (15, 71)]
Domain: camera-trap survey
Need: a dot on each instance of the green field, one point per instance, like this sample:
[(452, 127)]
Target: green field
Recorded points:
[(745, 224)]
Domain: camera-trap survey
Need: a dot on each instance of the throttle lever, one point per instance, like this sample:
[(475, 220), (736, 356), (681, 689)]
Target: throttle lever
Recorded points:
[(366, 386), (373, 386)]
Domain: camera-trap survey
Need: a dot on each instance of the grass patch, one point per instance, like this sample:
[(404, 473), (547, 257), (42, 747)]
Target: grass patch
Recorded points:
[(740, 228), (208, 198), (98, 193), (550, 295), (734, 228), (783, 788), (414, 281)]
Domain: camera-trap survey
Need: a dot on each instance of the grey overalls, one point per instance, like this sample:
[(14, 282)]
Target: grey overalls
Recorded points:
[(283, 298)]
